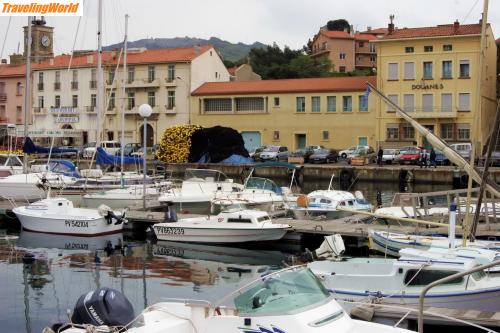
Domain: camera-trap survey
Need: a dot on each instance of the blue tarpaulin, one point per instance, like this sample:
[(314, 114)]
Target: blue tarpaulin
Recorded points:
[(104, 158), (30, 148), (233, 159)]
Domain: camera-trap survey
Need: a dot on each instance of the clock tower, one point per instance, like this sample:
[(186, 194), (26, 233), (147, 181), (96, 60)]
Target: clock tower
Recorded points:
[(42, 40)]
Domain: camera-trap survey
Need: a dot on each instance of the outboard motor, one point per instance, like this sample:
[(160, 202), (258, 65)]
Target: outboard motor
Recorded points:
[(360, 197), (109, 215), (332, 247), (104, 306)]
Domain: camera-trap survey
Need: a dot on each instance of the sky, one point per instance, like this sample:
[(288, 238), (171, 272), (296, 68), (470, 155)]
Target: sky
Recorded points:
[(285, 22)]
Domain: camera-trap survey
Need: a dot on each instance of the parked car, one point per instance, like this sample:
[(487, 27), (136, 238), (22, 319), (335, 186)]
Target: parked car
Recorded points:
[(464, 149), (140, 152), (351, 152), (255, 154), (411, 156), (283, 156), (324, 156), (271, 152), (111, 147), (366, 151), (403, 150), (441, 158), (129, 149), (494, 159), (390, 156)]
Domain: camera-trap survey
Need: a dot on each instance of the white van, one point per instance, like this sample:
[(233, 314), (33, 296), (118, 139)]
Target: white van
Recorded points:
[(464, 149), (111, 147)]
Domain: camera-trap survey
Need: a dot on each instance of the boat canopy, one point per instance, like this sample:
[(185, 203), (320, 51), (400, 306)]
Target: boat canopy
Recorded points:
[(262, 184), (30, 148), (64, 167), (204, 175), (104, 158)]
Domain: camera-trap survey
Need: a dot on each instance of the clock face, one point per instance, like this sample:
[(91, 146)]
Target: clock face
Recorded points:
[(45, 40)]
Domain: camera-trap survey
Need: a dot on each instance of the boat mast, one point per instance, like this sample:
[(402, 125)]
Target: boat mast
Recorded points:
[(475, 123), (124, 80), (27, 91), (100, 85)]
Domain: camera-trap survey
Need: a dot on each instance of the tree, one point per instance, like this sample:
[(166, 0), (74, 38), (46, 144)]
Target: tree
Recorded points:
[(338, 25)]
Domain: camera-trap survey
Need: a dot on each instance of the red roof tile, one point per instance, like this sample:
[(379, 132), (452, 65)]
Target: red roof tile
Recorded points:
[(133, 58), (362, 36), (330, 84), (12, 70), (336, 34), (377, 31), (440, 30)]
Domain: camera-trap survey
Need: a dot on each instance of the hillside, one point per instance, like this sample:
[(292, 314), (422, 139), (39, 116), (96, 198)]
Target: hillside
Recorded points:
[(229, 51)]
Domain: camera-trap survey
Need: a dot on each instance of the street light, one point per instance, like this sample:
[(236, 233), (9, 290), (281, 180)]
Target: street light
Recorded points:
[(145, 111)]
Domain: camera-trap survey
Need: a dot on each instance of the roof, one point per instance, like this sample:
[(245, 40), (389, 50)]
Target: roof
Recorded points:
[(362, 36), (232, 70), (133, 58), (437, 31), (12, 70), (336, 34), (377, 31), (333, 84)]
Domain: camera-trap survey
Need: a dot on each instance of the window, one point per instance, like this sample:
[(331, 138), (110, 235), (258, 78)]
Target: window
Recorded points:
[(249, 103), (93, 80), (409, 70), (423, 277), (427, 103), (216, 75), (363, 103), (347, 103), (217, 104), (447, 131), (464, 69), (428, 48), (151, 73), (446, 102), (447, 71), (130, 100), (74, 100), (464, 102), (93, 100), (342, 55), (57, 77), (315, 104), (301, 104), (409, 102), (325, 135), (427, 70), (171, 73), (409, 49), (373, 58), (57, 101), (276, 102), (342, 69), (276, 135), (395, 100), (392, 131), (331, 104), (40, 81), (372, 47), (393, 71), (408, 132), (19, 89), (111, 104), (130, 74), (447, 47), (151, 98), (171, 99), (74, 79), (361, 44)]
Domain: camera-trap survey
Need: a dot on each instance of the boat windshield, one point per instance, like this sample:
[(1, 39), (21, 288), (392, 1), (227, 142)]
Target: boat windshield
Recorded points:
[(7, 160), (281, 293), (262, 184), (205, 175)]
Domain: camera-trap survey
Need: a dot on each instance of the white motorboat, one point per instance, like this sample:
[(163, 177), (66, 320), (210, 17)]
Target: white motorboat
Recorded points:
[(391, 243), (128, 197), (236, 226), (10, 164), (290, 300), (198, 189), (435, 211), (325, 204), (400, 281), (58, 216)]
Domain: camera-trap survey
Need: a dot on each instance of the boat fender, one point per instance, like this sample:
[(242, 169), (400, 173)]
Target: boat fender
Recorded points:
[(363, 312), (303, 201)]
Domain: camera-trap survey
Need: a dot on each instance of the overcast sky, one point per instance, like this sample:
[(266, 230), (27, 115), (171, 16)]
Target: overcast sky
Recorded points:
[(286, 22)]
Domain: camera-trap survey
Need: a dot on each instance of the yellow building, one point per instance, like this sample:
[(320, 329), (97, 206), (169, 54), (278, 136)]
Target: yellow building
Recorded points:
[(432, 73), (294, 113)]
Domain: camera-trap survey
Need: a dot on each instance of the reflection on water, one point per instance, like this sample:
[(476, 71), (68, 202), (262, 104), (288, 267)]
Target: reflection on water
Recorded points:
[(63, 268)]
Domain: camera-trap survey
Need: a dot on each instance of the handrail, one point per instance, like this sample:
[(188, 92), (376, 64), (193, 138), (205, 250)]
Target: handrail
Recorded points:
[(444, 280)]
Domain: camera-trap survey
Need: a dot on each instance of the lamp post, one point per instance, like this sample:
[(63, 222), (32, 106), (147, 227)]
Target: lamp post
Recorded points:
[(145, 111)]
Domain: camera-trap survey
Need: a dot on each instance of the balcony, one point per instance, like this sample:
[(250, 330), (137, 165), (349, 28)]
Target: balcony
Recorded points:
[(320, 50), (435, 112), (169, 109), (57, 85), (170, 82), (3, 98), (150, 83), (74, 85), (93, 84), (40, 86), (90, 109)]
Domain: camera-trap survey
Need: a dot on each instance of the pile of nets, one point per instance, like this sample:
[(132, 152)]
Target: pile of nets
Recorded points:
[(194, 144)]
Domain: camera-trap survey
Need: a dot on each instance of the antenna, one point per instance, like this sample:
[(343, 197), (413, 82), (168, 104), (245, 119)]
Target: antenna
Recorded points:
[(391, 17)]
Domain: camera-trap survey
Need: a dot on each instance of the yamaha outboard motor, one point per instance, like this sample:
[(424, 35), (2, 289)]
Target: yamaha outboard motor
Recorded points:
[(104, 306)]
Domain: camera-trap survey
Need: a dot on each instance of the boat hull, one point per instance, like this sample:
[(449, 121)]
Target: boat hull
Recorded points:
[(311, 213), (173, 232)]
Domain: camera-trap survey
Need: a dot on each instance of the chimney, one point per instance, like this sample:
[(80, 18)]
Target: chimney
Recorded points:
[(456, 25), (4, 61), (368, 28), (351, 29), (197, 49), (390, 27)]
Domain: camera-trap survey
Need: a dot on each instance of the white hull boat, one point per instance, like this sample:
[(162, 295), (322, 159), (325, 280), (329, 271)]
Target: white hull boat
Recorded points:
[(226, 227), (439, 212), (58, 216), (391, 243), (32, 186), (325, 204), (10, 164), (291, 301), (400, 281)]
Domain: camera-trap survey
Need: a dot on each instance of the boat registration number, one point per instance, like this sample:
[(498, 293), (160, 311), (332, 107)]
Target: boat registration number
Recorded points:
[(170, 230), (76, 224), (168, 251)]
